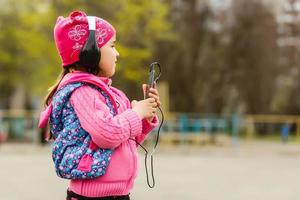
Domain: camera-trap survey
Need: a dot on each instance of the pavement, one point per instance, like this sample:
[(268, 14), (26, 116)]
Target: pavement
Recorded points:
[(248, 171)]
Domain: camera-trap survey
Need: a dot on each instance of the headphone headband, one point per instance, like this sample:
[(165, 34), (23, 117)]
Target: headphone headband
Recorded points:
[(90, 55), (92, 22)]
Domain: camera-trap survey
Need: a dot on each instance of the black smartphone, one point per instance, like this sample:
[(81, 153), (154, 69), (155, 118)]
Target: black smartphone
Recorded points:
[(151, 80)]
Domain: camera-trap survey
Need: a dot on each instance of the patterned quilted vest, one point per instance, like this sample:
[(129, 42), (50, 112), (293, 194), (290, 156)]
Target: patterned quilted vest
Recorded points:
[(74, 154)]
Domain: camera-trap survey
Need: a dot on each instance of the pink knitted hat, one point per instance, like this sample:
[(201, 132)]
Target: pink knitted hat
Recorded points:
[(71, 33)]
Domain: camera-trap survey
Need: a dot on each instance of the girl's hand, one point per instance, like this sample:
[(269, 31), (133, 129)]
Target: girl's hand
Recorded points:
[(145, 108), (153, 93)]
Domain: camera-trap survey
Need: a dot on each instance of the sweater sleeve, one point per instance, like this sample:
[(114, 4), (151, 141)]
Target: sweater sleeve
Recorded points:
[(147, 127), (106, 130)]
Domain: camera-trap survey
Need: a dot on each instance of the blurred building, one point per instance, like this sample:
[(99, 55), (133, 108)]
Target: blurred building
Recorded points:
[(288, 18)]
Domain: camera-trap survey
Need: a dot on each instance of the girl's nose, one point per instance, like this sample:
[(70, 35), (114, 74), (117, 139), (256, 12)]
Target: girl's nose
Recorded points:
[(117, 54)]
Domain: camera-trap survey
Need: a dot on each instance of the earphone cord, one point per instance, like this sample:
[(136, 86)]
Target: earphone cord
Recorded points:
[(151, 156)]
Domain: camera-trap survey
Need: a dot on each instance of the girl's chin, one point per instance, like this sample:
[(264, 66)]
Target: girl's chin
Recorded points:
[(111, 75)]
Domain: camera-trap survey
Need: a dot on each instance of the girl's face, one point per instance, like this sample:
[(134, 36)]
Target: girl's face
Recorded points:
[(109, 55)]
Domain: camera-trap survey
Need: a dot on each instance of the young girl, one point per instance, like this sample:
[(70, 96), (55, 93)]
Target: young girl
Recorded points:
[(95, 127)]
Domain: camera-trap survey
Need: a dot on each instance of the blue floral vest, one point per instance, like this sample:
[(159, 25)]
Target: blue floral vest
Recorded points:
[(73, 146)]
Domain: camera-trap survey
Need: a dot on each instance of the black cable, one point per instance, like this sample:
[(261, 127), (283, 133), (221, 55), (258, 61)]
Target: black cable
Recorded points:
[(157, 137), (146, 152)]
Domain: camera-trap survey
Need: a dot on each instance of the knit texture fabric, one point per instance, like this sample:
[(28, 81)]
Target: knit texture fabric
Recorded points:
[(107, 131)]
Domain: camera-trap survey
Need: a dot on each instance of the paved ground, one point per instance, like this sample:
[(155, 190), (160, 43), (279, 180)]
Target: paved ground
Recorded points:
[(253, 171)]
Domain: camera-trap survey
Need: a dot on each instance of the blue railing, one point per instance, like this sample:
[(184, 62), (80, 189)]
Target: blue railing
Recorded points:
[(23, 126)]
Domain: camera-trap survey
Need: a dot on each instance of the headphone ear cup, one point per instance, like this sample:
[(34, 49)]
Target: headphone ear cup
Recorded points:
[(90, 53)]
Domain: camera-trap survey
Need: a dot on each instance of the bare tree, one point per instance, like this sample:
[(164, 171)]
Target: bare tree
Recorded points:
[(252, 55)]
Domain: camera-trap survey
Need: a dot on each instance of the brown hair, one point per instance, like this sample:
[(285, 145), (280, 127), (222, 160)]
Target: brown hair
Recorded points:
[(54, 87), (65, 71)]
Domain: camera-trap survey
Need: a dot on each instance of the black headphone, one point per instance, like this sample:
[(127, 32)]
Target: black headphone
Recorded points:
[(89, 55)]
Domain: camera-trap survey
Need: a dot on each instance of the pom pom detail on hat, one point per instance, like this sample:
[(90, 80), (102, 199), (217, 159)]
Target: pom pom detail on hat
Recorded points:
[(71, 33)]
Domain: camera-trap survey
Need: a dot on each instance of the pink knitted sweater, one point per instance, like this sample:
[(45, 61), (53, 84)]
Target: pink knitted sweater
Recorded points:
[(108, 132)]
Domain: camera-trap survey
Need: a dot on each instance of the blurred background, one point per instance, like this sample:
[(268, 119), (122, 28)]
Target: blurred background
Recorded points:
[(230, 92)]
